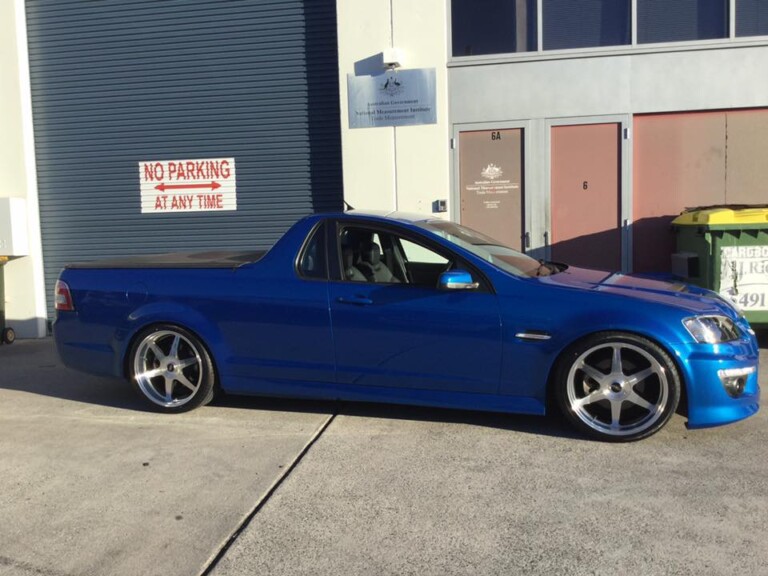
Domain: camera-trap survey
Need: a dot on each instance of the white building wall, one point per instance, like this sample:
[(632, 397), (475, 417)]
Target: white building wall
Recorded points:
[(24, 289), (404, 168), (669, 81)]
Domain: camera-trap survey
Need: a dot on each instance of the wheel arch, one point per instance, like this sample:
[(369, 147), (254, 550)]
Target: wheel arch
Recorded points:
[(187, 319), (550, 392)]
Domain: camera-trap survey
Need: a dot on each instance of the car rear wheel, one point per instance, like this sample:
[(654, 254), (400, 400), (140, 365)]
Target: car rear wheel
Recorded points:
[(8, 336), (171, 369), (617, 387)]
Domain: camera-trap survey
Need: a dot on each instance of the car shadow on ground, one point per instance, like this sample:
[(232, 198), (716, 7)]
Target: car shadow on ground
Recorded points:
[(33, 367), (551, 424), (548, 425), (56, 381)]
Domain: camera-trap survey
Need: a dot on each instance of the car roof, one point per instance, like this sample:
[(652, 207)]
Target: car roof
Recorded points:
[(410, 217)]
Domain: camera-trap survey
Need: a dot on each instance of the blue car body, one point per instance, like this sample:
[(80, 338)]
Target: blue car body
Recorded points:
[(271, 331)]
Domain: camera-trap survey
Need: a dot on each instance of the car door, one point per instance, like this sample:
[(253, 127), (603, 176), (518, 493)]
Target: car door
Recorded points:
[(395, 328)]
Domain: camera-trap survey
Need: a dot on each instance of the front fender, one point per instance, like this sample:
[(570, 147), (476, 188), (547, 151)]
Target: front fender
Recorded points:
[(566, 317)]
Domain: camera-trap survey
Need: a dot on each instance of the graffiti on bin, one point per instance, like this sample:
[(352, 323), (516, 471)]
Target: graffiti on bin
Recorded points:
[(744, 276)]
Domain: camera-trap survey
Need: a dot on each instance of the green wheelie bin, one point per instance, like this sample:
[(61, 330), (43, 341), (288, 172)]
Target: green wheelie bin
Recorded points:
[(725, 249)]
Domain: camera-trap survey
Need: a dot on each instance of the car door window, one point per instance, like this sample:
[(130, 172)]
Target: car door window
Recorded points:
[(368, 256), (417, 254), (423, 266), (384, 257)]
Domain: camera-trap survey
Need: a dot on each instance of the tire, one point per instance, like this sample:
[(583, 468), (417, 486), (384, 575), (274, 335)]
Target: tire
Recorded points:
[(617, 387), (9, 336), (171, 369)]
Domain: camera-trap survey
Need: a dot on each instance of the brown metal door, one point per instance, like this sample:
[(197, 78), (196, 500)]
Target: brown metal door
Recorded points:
[(491, 180), (585, 195)]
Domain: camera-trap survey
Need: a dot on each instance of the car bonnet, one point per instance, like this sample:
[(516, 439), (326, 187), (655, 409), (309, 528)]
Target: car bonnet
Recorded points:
[(668, 292)]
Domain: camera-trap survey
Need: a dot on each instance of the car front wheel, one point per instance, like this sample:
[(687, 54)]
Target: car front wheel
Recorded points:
[(617, 387), (171, 369)]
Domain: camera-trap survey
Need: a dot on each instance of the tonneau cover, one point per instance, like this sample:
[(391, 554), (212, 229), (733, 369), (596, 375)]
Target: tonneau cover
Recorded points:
[(213, 259)]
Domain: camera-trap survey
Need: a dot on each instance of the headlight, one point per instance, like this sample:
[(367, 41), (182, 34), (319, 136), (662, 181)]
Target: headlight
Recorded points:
[(711, 329)]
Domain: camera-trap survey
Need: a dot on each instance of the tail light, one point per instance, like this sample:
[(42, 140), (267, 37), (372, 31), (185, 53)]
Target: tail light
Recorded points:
[(63, 297)]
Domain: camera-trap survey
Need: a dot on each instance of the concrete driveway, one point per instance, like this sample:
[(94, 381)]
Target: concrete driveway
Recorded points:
[(90, 483)]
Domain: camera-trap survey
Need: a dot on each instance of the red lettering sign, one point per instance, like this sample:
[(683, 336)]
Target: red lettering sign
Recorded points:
[(188, 185)]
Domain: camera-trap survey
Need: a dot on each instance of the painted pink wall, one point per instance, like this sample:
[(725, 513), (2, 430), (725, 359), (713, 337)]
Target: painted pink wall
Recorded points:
[(688, 160)]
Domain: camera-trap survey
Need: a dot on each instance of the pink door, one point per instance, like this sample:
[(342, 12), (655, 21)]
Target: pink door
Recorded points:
[(491, 177), (585, 195)]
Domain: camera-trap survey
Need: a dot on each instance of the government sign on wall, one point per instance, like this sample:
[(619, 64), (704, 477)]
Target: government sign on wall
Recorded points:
[(404, 98)]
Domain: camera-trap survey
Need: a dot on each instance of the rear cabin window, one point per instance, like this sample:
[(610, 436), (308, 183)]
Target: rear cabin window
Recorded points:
[(312, 263)]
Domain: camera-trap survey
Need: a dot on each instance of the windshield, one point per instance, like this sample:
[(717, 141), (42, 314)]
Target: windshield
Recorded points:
[(488, 249)]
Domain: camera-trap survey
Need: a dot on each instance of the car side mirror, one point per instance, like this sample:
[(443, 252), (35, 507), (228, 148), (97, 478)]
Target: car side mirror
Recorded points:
[(457, 280)]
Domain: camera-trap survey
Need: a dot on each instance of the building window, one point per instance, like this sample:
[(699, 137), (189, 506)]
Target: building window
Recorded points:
[(586, 24), (493, 26), (481, 27), (751, 18), (665, 21)]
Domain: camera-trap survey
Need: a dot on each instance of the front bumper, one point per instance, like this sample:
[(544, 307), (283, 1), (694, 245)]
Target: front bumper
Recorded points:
[(709, 404)]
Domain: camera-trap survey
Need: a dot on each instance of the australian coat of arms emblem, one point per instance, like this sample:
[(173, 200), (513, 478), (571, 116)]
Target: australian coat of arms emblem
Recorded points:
[(491, 172), (392, 86)]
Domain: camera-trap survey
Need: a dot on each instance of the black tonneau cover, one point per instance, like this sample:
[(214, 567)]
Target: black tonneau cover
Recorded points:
[(214, 259)]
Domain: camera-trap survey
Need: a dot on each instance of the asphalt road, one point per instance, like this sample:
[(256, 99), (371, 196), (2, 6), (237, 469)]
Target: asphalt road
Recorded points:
[(92, 484)]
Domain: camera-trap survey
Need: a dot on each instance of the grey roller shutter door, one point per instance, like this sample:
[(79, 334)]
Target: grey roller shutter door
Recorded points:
[(115, 83)]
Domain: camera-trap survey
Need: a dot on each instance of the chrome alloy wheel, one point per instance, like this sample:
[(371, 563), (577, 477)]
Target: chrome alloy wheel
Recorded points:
[(618, 389), (168, 368)]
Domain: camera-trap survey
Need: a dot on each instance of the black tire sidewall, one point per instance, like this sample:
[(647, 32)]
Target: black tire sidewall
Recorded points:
[(204, 393), (569, 357)]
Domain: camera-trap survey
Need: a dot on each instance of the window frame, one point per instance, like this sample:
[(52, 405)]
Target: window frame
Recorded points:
[(732, 40)]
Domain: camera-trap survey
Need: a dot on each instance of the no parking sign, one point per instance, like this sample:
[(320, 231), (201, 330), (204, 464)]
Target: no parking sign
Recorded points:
[(188, 185)]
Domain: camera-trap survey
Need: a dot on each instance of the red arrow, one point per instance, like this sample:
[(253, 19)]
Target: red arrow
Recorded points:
[(163, 186)]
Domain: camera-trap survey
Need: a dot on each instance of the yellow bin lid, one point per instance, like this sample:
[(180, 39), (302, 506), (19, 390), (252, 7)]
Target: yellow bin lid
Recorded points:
[(723, 216)]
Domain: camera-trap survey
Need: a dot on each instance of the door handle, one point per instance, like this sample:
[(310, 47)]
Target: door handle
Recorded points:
[(359, 300)]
